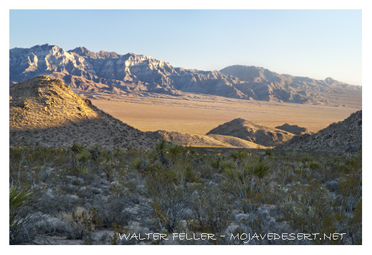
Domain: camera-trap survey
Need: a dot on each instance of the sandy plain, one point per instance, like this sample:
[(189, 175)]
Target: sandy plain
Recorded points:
[(197, 114)]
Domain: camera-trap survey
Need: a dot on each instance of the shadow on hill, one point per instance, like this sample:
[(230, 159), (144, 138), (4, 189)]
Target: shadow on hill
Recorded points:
[(105, 131)]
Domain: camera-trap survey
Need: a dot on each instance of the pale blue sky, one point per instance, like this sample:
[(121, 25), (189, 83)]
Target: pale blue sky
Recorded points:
[(312, 43)]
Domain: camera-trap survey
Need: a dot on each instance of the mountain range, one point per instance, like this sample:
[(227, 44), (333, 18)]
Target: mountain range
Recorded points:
[(113, 73)]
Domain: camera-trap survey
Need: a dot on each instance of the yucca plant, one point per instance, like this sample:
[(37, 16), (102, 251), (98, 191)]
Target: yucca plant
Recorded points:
[(19, 197)]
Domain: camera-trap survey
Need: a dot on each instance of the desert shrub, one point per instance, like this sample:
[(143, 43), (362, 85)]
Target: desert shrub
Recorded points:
[(81, 223), (311, 209), (152, 156), (77, 147), (191, 175), (227, 164), (20, 225), (239, 155), (210, 211), (307, 158), (314, 165), (341, 168), (260, 169), (174, 150), (160, 145), (113, 212), (83, 156), (136, 164), (118, 231), (268, 152), (82, 169), (113, 168), (238, 183), (169, 196)]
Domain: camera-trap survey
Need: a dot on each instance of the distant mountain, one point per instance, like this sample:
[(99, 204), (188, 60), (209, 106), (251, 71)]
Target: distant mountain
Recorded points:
[(294, 129), (45, 112), (112, 73), (271, 86), (341, 137), (252, 132)]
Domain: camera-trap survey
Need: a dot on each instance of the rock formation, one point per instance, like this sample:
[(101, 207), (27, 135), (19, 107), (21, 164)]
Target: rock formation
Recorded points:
[(252, 132)]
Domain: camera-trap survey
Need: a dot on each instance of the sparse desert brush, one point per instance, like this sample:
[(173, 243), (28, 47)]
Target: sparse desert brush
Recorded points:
[(175, 151), (114, 212), (152, 156), (268, 152), (211, 212), (169, 198), (82, 169), (227, 164), (136, 164), (160, 145), (192, 192), (191, 176), (83, 156), (239, 155), (314, 165), (113, 168), (77, 147), (307, 158), (260, 169), (81, 223)]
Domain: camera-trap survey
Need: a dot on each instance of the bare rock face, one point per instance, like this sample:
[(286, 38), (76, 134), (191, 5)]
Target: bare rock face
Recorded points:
[(45, 112), (252, 132), (341, 137), (204, 140), (294, 129), (112, 73)]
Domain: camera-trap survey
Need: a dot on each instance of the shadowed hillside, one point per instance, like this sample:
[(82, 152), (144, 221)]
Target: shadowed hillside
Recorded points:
[(344, 136), (45, 112), (294, 129)]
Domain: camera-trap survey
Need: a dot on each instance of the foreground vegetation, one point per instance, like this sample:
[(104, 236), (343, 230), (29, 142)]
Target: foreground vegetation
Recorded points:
[(95, 195)]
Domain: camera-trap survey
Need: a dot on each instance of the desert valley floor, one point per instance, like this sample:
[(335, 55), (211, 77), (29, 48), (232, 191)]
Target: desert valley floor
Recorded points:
[(198, 114)]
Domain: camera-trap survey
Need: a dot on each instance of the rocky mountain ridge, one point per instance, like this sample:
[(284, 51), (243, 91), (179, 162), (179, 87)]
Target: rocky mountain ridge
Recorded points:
[(109, 72)]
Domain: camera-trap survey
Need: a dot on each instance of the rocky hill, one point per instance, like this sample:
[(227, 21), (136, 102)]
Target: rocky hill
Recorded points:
[(252, 132), (109, 72), (45, 112), (211, 140), (344, 136), (294, 129)]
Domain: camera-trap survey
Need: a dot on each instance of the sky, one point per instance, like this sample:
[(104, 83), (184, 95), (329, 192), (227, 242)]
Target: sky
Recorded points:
[(312, 43)]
